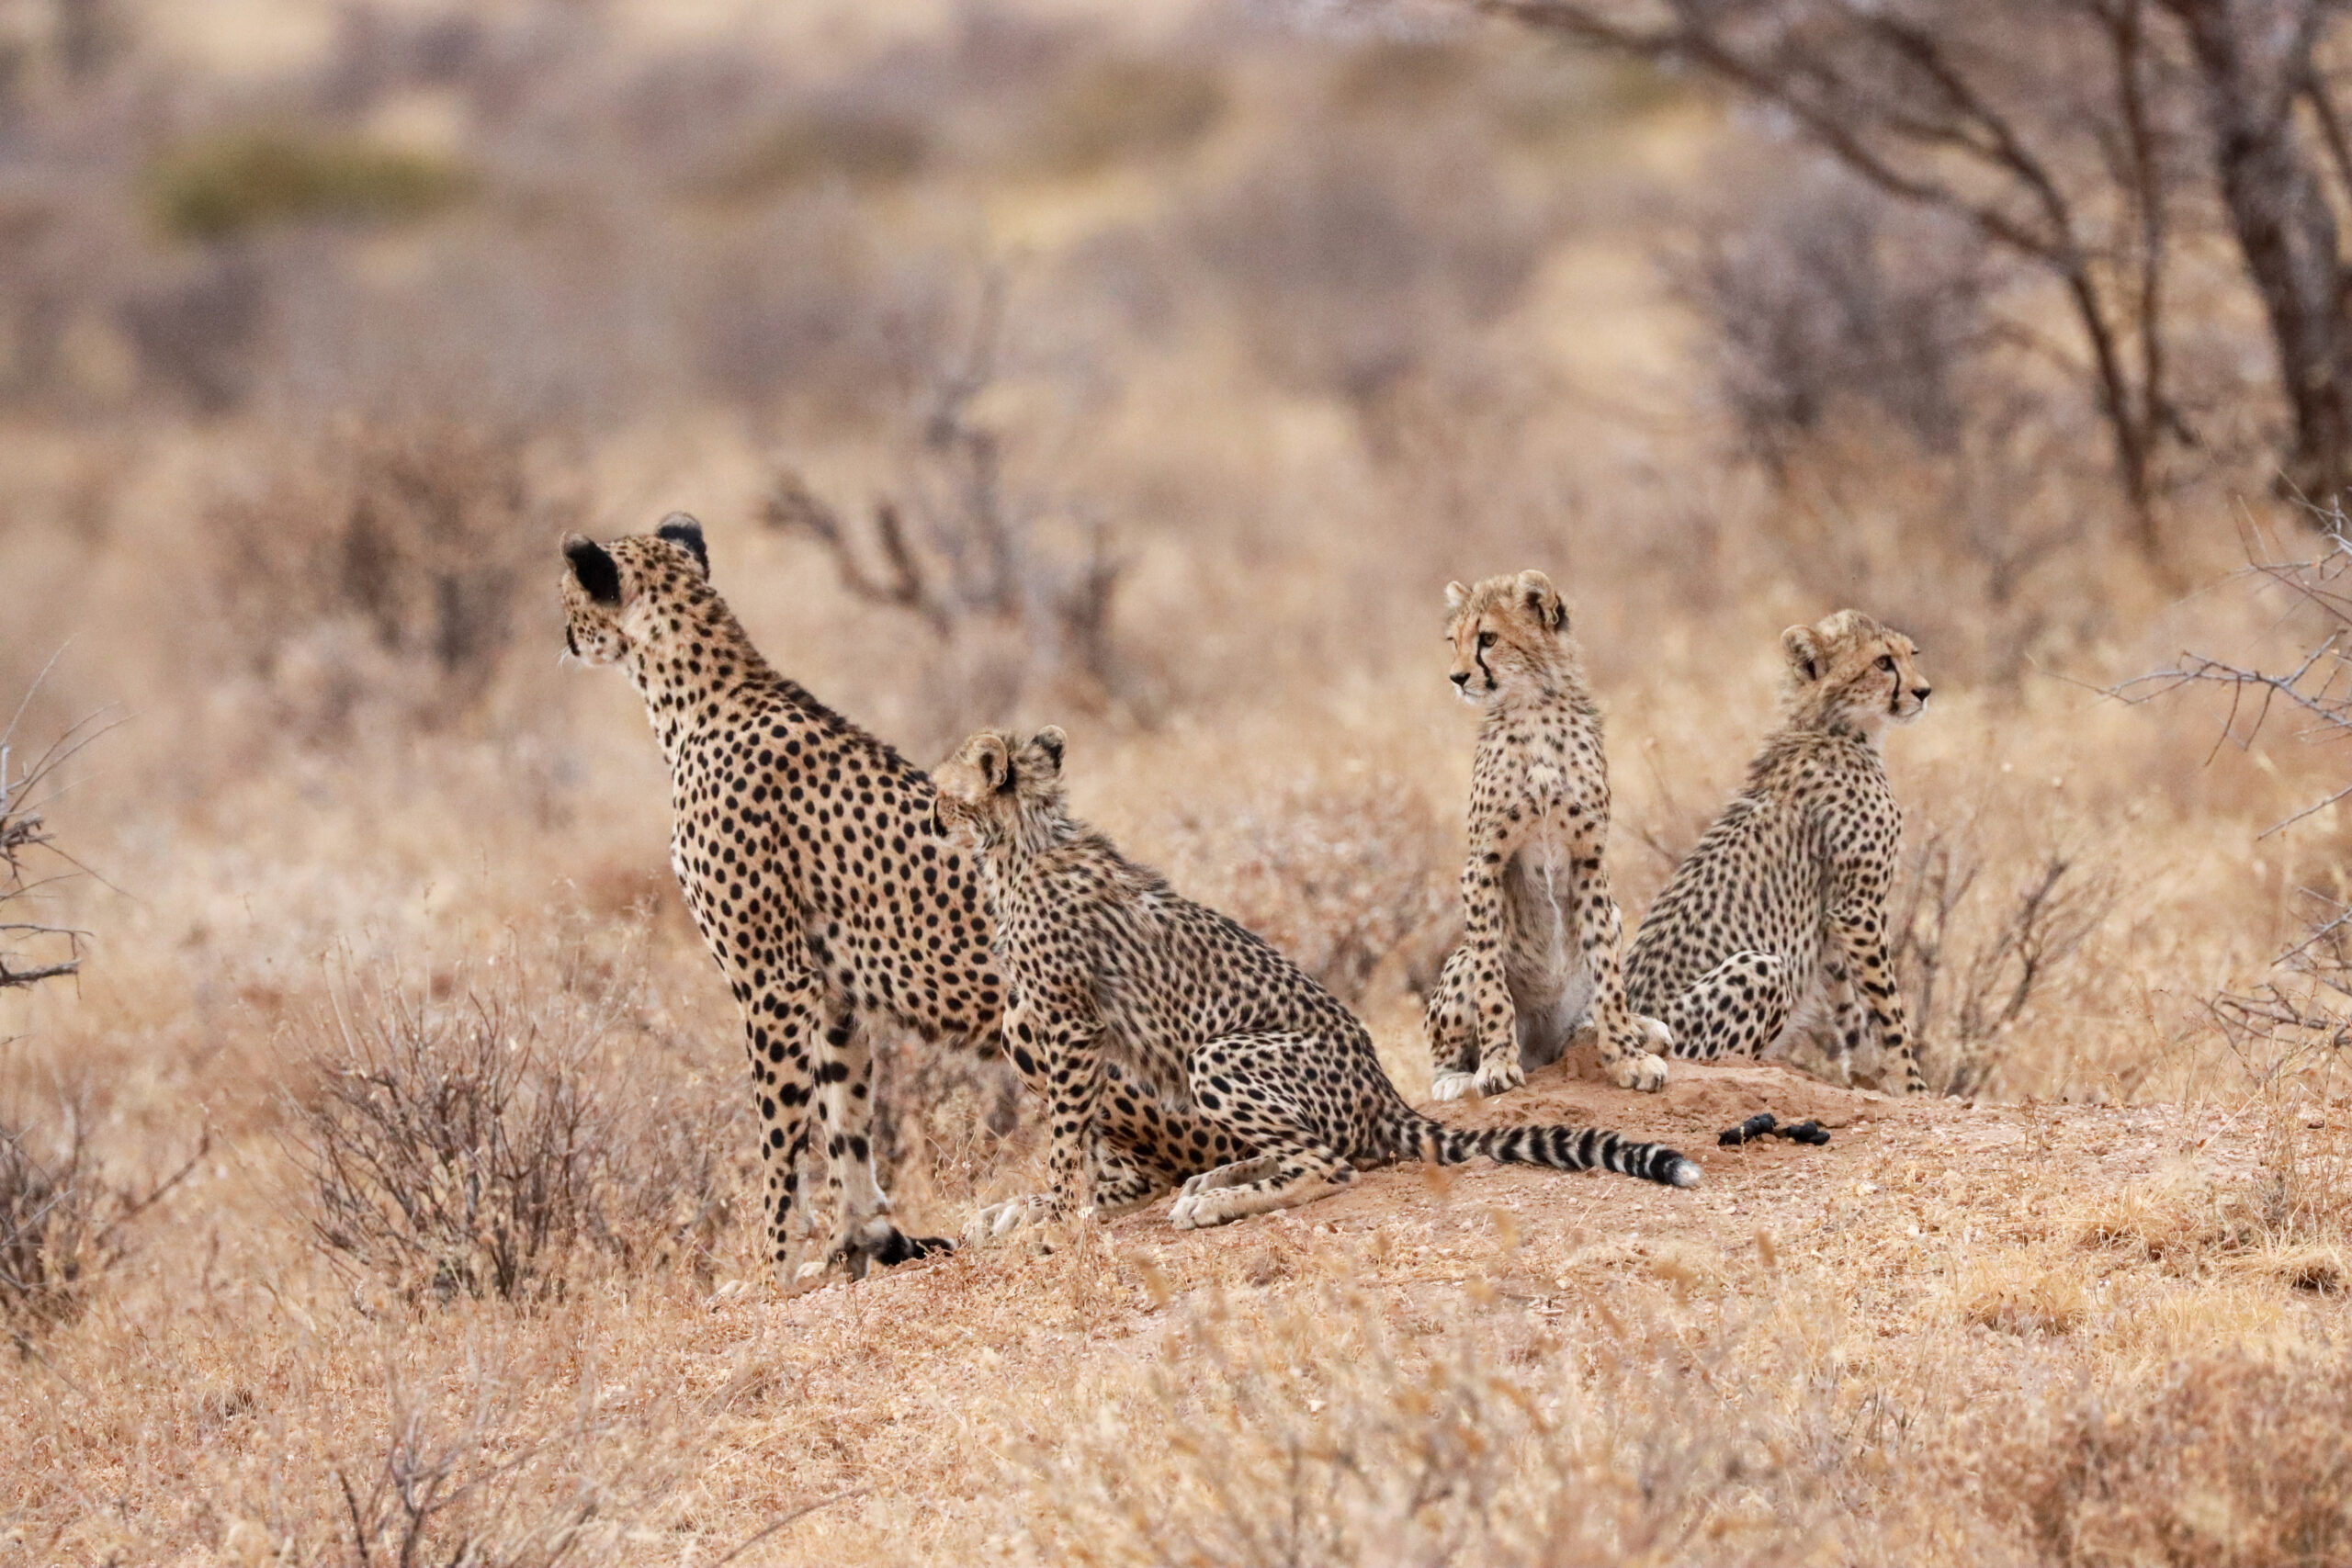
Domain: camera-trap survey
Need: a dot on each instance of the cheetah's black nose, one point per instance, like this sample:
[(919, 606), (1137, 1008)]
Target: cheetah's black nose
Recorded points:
[(1921, 691), (1462, 679)]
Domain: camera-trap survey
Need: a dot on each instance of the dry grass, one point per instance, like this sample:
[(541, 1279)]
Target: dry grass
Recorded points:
[(385, 903)]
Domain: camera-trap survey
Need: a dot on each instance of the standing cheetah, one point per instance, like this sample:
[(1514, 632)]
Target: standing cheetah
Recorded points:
[(1540, 930), (1106, 965), (808, 854), (1776, 922)]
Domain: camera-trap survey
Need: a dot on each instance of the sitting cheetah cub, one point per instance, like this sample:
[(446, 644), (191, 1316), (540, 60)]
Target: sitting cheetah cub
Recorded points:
[(1775, 924), (1540, 928), (1109, 966)]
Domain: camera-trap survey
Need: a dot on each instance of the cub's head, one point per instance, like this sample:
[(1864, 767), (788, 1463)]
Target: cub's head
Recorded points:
[(611, 592), (1506, 631), (1846, 671), (998, 786)]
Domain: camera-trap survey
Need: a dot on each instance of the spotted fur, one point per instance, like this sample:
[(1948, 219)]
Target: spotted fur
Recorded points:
[(1775, 925), (1540, 929), (811, 861), (1273, 1083)]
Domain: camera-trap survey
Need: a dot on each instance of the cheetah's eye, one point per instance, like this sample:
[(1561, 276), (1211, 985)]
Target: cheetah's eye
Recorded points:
[(1486, 639), (1886, 662)]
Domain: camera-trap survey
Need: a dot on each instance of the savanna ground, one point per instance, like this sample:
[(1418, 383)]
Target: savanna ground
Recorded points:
[(376, 1187)]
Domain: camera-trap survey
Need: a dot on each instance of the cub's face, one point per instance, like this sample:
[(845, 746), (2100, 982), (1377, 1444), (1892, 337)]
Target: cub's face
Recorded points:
[(995, 781), (1504, 630), (609, 590), (1850, 664)]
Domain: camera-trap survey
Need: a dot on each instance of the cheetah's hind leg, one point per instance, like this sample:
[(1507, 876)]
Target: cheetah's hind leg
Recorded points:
[(1258, 1102), (1255, 1168), (1296, 1174), (1736, 1008)]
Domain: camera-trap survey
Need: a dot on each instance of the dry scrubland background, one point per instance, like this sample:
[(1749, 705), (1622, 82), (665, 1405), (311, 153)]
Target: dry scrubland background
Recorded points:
[(1189, 352)]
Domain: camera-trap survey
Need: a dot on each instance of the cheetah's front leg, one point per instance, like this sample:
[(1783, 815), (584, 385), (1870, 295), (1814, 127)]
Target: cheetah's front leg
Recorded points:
[(1860, 934), (1494, 1017), (864, 1233), (1068, 1053), (1451, 1026), (1629, 1043)]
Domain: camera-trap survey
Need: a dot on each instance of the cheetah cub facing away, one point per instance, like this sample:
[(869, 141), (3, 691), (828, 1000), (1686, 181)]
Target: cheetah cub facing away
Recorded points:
[(1106, 965), (1540, 932), (1776, 923)]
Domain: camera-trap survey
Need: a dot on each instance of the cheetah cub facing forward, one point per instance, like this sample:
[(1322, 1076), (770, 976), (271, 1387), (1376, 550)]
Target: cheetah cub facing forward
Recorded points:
[(1108, 965), (1540, 929), (1776, 923)]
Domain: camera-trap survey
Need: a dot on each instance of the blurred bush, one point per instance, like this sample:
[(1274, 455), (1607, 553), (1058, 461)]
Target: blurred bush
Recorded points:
[(386, 564), (1350, 264), (1123, 110), (2224, 1459), (63, 1224), (859, 147), (1831, 297), (1346, 872), (230, 184)]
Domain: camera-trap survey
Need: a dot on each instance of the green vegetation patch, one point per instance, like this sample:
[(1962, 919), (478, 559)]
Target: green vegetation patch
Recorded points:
[(860, 148), (1127, 111), (231, 184)]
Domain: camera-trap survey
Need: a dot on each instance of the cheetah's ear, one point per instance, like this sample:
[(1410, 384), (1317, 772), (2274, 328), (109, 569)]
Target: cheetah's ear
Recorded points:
[(1543, 601), (1051, 741), (992, 759), (1803, 650), (594, 568), (680, 529), (1456, 596)]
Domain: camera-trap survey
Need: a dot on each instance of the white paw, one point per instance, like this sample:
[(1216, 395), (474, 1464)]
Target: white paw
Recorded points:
[(1500, 1076), (1660, 1038), (1638, 1070), (1000, 1220), (1199, 1210), (1452, 1086)]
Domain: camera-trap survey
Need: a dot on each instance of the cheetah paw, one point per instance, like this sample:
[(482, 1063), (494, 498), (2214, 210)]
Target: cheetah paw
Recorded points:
[(1452, 1086), (1200, 1210), (1638, 1070), (1230, 1175), (999, 1220), (1499, 1076)]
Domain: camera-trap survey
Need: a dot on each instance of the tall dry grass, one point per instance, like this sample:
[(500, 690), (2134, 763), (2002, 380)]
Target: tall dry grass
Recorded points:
[(1293, 329)]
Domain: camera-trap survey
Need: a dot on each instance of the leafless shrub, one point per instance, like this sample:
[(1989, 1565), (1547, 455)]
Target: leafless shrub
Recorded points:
[(2303, 1009), (1835, 296), (1345, 873), (62, 1223), (2229, 1460), (27, 851), (944, 1122), (1972, 957), (475, 1473), (389, 565), (1352, 266), (2317, 691), (471, 1138), (1015, 588)]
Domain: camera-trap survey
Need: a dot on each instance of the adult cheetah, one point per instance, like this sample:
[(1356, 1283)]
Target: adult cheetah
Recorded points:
[(1775, 925), (1107, 965), (809, 855), (1540, 931)]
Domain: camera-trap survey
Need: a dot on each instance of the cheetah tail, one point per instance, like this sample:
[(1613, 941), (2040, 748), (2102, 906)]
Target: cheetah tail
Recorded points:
[(1563, 1148)]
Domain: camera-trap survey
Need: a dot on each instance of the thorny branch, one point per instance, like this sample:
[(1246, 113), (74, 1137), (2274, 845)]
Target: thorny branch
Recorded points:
[(25, 791)]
